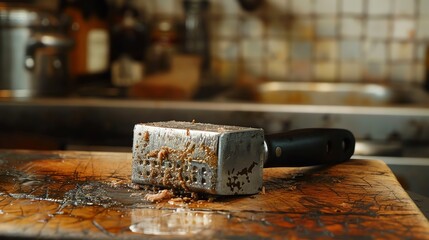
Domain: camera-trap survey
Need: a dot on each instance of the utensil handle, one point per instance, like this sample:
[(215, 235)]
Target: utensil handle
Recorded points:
[(309, 146)]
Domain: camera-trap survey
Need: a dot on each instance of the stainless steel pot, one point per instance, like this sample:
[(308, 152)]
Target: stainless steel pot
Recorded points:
[(33, 53)]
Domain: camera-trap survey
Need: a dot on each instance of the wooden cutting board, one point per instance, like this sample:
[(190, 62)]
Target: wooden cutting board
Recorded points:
[(89, 195)]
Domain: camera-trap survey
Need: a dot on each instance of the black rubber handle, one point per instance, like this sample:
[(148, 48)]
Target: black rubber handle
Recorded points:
[(309, 146)]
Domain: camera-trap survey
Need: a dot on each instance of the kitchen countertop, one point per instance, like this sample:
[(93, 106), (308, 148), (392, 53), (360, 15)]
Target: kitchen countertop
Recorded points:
[(71, 194), (101, 117)]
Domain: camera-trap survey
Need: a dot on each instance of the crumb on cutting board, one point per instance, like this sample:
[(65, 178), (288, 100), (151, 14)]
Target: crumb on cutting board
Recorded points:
[(157, 197), (181, 201)]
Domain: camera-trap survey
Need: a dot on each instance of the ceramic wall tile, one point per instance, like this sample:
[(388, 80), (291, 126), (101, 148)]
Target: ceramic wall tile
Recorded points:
[(379, 7), (421, 49), (375, 71), (419, 72), (301, 50), (326, 27), (377, 28), (303, 29), (351, 27), (402, 72), (404, 7), (253, 49), (277, 70), (350, 71), (423, 29), (327, 50), (326, 7), (301, 71), (302, 7), (404, 29), (355, 7), (326, 71), (423, 6), (376, 51), (277, 49), (401, 51), (254, 70), (252, 27), (351, 49)]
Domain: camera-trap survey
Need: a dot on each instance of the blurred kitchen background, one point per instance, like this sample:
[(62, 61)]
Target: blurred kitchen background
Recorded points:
[(78, 74), (285, 40)]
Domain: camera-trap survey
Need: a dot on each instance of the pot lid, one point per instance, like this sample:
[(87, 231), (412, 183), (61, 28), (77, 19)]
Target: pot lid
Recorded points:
[(21, 16)]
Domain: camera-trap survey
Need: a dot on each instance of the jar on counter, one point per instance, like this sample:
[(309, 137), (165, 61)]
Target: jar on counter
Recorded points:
[(89, 29)]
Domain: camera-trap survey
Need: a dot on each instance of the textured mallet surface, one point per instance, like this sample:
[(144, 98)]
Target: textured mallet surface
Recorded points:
[(215, 159)]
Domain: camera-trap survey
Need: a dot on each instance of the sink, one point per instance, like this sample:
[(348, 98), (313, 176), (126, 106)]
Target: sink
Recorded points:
[(355, 94), (313, 93)]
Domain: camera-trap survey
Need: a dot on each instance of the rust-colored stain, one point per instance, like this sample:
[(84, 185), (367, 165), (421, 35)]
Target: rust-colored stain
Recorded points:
[(234, 182)]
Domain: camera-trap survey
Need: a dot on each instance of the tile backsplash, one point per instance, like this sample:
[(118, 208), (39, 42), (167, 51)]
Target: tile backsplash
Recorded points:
[(314, 40), (318, 40)]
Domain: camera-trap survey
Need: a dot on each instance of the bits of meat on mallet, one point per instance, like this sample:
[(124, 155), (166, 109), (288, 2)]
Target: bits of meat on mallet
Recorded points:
[(146, 136), (163, 154)]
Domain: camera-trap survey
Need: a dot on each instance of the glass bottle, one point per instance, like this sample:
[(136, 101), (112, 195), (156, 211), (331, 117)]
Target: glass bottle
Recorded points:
[(128, 46), (89, 28)]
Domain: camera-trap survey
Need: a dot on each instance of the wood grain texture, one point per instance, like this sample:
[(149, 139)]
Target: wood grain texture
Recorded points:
[(85, 195)]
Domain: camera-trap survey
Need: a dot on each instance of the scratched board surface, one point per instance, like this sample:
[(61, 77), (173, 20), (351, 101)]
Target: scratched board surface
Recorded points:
[(89, 195)]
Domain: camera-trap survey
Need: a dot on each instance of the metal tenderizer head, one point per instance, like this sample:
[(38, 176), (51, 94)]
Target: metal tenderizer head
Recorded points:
[(197, 157)]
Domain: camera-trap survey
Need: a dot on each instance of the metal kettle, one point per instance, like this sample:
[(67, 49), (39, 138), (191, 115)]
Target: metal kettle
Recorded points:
[(33, 53)]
